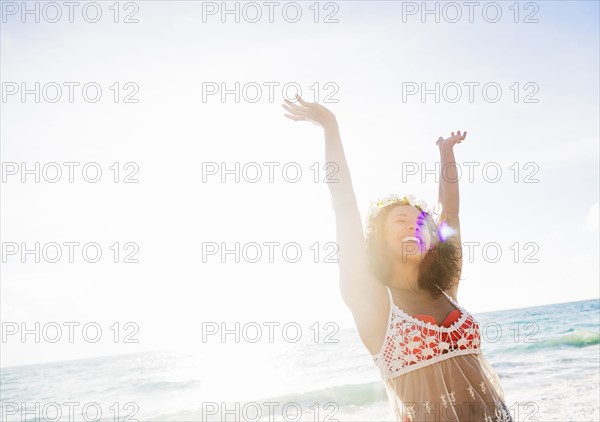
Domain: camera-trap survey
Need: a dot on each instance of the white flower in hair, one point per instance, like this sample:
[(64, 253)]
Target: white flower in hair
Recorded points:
[(378, 205)]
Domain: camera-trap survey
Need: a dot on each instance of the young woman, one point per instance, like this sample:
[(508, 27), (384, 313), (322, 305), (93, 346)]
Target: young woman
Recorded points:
[(401, 284)]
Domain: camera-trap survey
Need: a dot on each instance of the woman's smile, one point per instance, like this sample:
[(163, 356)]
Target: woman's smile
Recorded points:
[(411, 239)]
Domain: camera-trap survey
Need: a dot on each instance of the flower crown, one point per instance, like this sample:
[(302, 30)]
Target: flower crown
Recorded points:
[(391, 199)]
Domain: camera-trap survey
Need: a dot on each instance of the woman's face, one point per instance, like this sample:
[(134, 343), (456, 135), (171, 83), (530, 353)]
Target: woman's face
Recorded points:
[(407, 232)]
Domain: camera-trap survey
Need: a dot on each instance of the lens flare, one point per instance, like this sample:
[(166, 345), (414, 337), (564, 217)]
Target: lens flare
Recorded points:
[(445, 231)]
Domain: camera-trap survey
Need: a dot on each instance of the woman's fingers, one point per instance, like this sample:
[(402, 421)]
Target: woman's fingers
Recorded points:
[(294, 111), (296, 106), (458, 135), (455, 138), (301, 101), (312, 112)]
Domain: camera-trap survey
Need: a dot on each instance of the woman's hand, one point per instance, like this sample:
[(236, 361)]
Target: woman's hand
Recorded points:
[(451, 141), (311, 112)]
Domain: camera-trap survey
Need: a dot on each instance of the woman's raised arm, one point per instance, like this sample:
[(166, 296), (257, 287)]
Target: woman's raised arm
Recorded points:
[(361, 291), (448, 196)]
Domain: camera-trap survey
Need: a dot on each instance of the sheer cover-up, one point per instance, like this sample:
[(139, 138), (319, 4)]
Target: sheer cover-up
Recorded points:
[(437, 373)]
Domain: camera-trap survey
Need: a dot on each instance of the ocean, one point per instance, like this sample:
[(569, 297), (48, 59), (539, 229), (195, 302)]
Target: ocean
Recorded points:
[(547, 358)]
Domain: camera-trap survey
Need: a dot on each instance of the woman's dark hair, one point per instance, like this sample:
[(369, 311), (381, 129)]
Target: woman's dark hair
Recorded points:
[(439, 267)]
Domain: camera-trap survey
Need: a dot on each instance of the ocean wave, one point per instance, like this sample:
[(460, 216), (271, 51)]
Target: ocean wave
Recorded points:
[(576, 338)]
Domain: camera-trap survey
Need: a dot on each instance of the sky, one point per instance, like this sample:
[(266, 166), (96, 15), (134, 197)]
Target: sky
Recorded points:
[(171, 133)]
